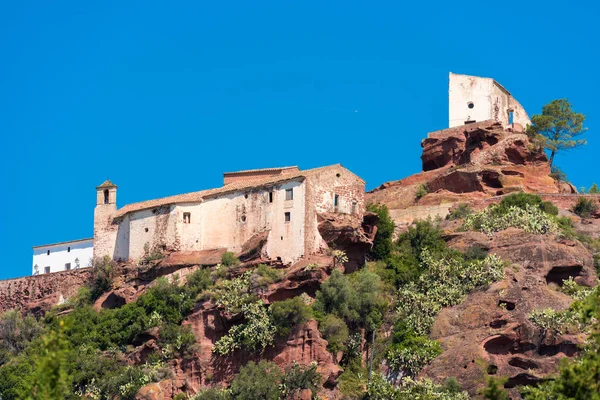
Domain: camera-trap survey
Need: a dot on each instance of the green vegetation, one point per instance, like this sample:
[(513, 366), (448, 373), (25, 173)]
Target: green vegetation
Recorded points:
[(229, 259), (461, 211), (382, 245), (257, 381), (298, 377), (103, 270), (380, 389), (495, 218), (335, 331), (585, 208), (594, 189), (289, 313), (422, 191), (558, 125)]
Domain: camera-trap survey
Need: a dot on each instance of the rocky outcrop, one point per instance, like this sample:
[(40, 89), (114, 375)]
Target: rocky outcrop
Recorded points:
[(348, 233), (490, 333)]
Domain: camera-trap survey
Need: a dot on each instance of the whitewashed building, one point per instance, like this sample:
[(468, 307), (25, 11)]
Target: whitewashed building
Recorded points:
[(474, 99), (63, 256)]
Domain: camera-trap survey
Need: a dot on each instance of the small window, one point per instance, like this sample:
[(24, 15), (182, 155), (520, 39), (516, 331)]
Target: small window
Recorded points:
[(46, 270), (146, 229), (288, 217), (246, 195), (243, 218), (187, 217), (470, 104), (289, 194), (48, 252), (69, 249), (106, 196), (67, 266), (354, 207), (270, 197), (336, 200), (511, 117)]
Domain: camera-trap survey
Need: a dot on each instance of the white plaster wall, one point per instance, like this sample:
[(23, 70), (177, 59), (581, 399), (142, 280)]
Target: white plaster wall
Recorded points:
[(464, 89), (122, 245), (286, 239), (154, 228), (59, 256), (223, 226), (190, 235)]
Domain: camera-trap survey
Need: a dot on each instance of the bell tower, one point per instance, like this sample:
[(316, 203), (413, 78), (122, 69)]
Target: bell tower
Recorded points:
[(106, 207)]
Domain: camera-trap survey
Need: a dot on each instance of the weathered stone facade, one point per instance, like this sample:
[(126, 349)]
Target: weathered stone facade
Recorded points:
[(281, 203)]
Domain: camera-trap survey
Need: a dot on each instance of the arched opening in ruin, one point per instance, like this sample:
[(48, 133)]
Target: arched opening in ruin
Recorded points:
[(568, 349), (522, 363)]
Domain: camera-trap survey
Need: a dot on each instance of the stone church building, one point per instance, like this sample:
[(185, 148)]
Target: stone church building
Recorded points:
[(279, 206)]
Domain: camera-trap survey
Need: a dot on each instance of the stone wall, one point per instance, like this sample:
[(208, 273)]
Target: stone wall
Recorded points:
[(24, 293)]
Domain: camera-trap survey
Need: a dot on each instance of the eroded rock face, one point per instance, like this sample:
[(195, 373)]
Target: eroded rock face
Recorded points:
[(348, 233), (490, 332)]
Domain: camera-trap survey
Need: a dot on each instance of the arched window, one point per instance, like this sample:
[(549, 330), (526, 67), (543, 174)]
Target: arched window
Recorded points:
[(106, 196)]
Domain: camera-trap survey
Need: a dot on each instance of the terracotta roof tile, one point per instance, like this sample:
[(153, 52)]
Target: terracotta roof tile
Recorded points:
[(199, 196), (246, 171)]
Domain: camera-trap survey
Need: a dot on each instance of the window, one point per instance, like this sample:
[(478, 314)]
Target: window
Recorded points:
[(67, 266), (470, 104), (511, 117), (288, 217), (354, 207), (336, 200), (270, 197), (289, 194), (243, 218), (69, 249), (48, 252), (106, 196), (187, 217), (46, 270)]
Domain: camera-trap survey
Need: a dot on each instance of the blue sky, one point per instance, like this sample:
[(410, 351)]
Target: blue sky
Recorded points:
[(162, 97)]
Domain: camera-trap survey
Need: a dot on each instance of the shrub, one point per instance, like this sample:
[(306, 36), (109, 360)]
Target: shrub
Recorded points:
[(585, 208), (594, 189), (521, 200), (213, 394), (531, 219), (229, 259), (461, 211), (103, 270), (421, 191), (549, 208), (494, 391), (263, 276), (424, 235), (557, 174), (198, 281), (17, 332), (233, 294), (289, 313), (557, 322), (414, 354), (335, 331), (257, 381), (427, 389), (298, 377), (382, 245), (445, 282), (476, 252), (177, 339), (256, 333)]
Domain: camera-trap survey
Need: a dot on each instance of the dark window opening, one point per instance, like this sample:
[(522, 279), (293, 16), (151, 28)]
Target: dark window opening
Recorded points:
[(146, 229), (354, 206), (246, 195), (106, 196), (48, 252), (270, 197), (288, 217), (67, 266), (337, 175), (470, 122), (187, 217), (46, 270), (470, 104), (336, 200), (289, 194), (69, 249), (243, 218)]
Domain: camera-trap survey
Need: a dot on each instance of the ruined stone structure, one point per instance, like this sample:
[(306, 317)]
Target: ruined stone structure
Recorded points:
[(277, 207), (474, 99)]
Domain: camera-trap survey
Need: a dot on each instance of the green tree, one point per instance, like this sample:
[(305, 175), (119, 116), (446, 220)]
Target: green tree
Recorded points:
[(382, 245), (289, 313), (50, 379), (494, 390), (559, 124), (257, 381), (594, 189)]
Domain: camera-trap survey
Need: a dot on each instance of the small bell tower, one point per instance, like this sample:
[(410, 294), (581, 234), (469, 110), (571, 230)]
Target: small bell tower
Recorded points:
[(106, 207)]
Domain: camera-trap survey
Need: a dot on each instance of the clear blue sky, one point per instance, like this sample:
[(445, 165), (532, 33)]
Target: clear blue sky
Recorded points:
[(162, 97)]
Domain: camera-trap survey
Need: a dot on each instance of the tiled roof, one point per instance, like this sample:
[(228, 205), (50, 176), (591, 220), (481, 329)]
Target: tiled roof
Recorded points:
[(194, 197), (106, 184), (247, 171)]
